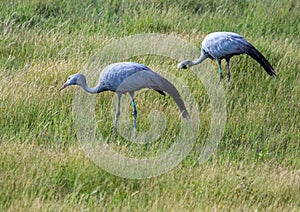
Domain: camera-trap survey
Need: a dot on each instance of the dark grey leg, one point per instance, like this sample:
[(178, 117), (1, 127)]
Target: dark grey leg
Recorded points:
[(228, 70), (221, 71), (134, 113)]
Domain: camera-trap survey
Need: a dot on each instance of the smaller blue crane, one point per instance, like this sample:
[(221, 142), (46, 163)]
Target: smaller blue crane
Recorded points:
[(224, 45)]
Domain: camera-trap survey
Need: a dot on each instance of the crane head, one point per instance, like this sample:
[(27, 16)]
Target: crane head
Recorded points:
[(72, 80), (185, 64)]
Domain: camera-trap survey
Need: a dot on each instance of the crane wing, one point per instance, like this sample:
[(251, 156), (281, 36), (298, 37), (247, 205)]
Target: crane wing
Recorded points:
[(256, 55), (149, 79)]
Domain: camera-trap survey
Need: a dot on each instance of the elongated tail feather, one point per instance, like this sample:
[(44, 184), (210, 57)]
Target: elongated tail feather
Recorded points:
[(150, 79), (169, 88), (160, 92), (256, 55)]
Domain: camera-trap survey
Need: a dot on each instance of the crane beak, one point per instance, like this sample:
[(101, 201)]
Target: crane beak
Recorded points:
[(63, 87)]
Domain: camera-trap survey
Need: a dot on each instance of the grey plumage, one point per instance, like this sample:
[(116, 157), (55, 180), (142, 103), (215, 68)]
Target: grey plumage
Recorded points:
[(224, 45), (128, 77)]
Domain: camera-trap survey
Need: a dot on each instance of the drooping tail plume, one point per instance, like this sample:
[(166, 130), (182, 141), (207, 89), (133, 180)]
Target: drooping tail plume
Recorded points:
[(256, 55), (159, 83)]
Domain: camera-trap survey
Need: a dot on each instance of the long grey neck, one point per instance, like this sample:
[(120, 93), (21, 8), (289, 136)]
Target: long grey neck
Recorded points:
[(199, 60), (93, 90)]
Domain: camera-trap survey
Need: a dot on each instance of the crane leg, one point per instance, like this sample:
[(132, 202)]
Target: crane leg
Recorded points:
[(221, 71), (134, 113), (228, 69), (116, 117)]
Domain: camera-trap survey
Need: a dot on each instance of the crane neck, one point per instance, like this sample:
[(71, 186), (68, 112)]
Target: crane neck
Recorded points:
[(199, 60), (93, 90)]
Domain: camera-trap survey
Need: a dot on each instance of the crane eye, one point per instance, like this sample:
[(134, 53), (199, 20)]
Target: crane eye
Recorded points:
[(69, 78)]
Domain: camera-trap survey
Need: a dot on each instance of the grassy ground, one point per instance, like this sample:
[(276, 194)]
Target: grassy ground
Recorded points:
[(257, 164)]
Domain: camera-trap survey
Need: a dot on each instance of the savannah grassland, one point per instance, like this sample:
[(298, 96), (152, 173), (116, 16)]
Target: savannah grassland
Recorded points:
[(42, 165)]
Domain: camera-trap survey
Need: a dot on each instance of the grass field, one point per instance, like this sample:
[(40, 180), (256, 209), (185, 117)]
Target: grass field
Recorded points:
[(43, 167)]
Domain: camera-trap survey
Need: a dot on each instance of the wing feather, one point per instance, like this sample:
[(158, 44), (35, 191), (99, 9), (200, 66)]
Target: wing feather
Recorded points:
[(149, 79)]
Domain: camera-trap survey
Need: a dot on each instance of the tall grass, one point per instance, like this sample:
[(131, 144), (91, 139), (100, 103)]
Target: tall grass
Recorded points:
[(42, 165)]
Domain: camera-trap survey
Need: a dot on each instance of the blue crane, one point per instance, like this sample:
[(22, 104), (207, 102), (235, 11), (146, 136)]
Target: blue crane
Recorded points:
[(224, 45), (128, 77)]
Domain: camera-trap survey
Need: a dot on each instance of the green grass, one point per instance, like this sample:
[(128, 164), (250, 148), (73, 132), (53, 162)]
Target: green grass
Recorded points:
[(257, 163)]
